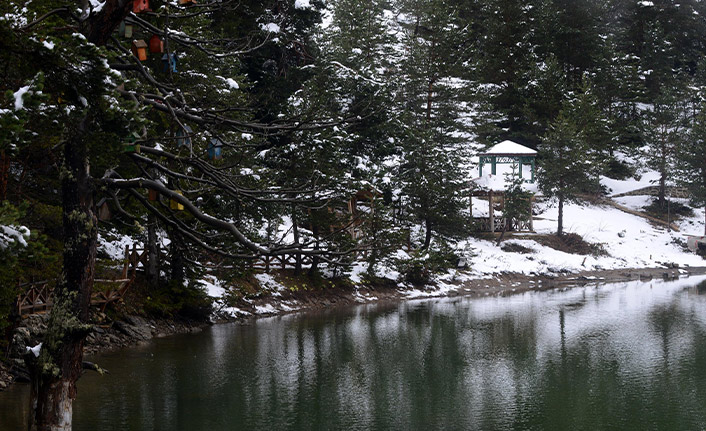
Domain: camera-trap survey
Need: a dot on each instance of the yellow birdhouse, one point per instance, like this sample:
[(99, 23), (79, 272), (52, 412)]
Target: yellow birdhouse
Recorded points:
[(175, 205)]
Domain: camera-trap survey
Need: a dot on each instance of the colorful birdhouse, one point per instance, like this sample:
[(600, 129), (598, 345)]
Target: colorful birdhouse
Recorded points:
[(140, 6), (156, 44), (131, 145), (131, 148), (175, 205), (169, 62), (125, 30), (215, 149), (139, 49), (184, 136)]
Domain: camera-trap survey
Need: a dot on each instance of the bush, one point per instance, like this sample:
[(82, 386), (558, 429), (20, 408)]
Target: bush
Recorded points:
[(619, 170), (419, 268), (174, 299)]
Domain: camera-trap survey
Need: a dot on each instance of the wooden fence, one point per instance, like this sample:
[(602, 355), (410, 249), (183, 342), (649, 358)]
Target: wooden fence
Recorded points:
[(38, 297)]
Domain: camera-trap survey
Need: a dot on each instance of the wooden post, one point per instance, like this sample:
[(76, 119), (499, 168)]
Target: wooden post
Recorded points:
[(134, 259), (126, 264), (490, 211), (531, 221)]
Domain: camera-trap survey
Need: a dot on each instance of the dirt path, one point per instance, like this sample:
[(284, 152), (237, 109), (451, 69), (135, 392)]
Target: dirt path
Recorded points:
[(612, 203)]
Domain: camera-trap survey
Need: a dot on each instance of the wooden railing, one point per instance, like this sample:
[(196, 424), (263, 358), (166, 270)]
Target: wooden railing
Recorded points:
[(38, 297), (281, 261)]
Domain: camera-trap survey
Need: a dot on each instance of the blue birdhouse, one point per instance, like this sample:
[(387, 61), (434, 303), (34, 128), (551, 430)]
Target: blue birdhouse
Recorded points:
[(215, 149), (169, 62), (184, 136)]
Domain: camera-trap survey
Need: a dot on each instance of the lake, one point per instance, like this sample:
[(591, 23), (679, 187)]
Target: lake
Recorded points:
[(629, 356)]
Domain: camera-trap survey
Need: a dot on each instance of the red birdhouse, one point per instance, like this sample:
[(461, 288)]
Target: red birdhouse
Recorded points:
[(156, 44), (140, 6), (139, 49)]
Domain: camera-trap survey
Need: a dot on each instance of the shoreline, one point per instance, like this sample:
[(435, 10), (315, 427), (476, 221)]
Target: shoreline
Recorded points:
[(504, 284), (131, 330)]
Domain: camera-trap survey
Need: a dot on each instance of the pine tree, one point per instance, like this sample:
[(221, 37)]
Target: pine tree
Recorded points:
[(431, 178), (691, 168), (569, 166), (665, 123)]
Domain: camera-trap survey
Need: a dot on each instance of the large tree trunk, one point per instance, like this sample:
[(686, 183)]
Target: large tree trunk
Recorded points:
[(58, 367), (427, 234)]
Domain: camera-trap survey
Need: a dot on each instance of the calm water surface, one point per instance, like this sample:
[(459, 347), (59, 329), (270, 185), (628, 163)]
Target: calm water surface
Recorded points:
[(620, 357)]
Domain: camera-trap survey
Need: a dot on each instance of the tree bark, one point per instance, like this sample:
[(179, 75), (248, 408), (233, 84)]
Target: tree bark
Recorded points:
[(315, 259), (295, 230), (152, 250), (560, 228), (55, 372), (176, 258), (427, 234), (662, 177)]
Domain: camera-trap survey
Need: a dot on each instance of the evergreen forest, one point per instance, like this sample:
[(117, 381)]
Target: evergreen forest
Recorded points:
[(216, 133)]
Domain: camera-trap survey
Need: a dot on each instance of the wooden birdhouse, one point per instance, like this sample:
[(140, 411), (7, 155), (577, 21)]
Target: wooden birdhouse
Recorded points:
[(169, 62), (140, 6), (156, 44), (139, 49), (215, 149), (103, 210), (175, 205), (184, 136), (187, 2), (125, 30)]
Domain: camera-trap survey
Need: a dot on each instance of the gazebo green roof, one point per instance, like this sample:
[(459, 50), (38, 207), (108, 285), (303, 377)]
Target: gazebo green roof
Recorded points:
[(508, 152)]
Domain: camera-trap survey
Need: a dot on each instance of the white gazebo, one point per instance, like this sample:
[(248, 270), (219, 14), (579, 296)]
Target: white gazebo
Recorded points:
[(490, 187), (508, 152)]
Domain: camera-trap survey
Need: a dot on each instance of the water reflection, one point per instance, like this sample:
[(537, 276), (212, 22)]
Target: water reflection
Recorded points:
[(631, 356)]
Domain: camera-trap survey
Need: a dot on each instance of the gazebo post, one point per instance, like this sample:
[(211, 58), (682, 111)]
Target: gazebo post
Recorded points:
[(490, 211)]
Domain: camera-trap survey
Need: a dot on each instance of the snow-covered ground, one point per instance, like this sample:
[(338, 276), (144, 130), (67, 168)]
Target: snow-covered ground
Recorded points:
[(630, 241)]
